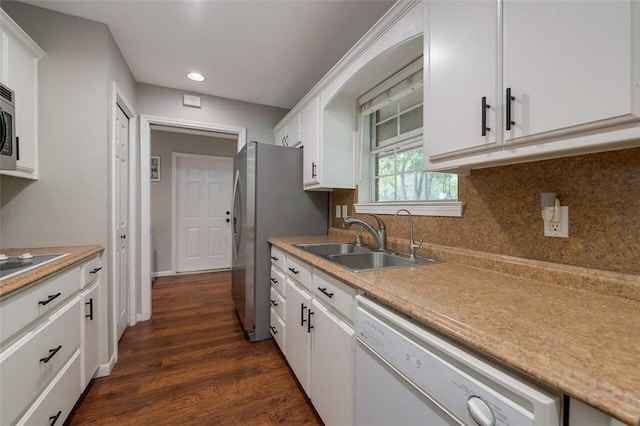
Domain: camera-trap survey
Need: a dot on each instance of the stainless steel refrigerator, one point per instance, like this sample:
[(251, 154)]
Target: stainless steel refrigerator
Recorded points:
[(268, 201)]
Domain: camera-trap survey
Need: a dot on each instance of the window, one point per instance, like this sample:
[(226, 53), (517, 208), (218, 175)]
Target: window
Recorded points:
[(393, 130)]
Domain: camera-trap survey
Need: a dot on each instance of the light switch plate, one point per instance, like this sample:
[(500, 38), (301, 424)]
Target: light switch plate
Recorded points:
[(338, 209), (345, 213)]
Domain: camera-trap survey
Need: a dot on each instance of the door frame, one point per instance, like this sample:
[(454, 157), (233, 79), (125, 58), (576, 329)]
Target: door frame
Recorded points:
[(119, 100), (174, 205), (145, 192)]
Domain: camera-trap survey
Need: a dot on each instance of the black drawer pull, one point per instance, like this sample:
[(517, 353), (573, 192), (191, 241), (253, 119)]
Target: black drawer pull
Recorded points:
[(274, 258), (96, 270), (273, 330), (90, 303), (325, 292), (50, 298), (273, 280), (302, 320), (309, 326), (52, 352), (54, 419), (273, 302), (294, 271)]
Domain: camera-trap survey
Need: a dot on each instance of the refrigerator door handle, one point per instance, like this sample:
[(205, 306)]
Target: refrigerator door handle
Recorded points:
[(236, 240)]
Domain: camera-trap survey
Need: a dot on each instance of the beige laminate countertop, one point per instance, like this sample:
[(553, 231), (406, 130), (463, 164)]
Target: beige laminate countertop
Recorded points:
[(583, 343), (76, 254)]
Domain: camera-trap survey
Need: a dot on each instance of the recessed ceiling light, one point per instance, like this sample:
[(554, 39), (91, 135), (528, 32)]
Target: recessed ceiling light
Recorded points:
[(195, 76)]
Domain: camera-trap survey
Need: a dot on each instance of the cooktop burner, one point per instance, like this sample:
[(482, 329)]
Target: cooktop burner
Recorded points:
[(14, 265)]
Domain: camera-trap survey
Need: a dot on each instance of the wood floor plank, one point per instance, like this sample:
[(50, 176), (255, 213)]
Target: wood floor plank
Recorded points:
[(192, 365)]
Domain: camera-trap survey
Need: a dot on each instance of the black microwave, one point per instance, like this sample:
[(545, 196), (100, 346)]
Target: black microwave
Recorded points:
[(8, 139)]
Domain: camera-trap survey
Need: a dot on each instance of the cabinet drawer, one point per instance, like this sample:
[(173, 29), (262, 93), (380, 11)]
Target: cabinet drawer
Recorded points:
[(278, 281), (277, 330), (91, 271), (335, 294), (278, 258), (299, 271), (57, 401), (19, 309), (27, 366), (277, 303)]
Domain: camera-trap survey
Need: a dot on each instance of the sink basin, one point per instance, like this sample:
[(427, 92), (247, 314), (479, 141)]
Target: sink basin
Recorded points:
[(329, 249), (374, 260)]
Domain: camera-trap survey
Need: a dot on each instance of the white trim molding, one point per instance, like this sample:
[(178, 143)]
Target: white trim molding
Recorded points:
[(426, 208), (146, 121)]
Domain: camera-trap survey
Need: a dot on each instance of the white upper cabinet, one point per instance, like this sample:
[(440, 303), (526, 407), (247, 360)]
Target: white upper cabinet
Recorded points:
[(310, 129), (559, 78), (288, 134), (462, 65), (567, 63), (19, 72)]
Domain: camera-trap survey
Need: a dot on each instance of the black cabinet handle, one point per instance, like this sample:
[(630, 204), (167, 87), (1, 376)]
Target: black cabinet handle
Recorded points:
[(309, 326), (90, 303), (273, 302), (96, 270), (50, 298), (228, 213), (313, 170), (508, 100), (17, 148), (228, 220), (485, 107), (294, 271), (273, 329), (325, 292), (274, 258), (273, 280), (52, 352), (302, 320), (54, 419)]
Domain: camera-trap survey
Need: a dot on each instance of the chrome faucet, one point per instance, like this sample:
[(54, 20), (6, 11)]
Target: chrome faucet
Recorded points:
[(379, 235), (412, 244)]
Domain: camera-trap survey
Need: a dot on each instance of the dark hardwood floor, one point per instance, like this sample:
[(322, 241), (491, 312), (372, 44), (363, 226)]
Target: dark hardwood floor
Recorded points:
[(191, 365)]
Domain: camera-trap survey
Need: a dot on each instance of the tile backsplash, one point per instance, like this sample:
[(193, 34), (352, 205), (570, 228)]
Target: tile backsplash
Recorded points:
[(502, 211)]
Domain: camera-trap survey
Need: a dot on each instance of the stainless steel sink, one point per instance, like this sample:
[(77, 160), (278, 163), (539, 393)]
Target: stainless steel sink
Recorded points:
[(361, 258), (374, 260), (329, 249)]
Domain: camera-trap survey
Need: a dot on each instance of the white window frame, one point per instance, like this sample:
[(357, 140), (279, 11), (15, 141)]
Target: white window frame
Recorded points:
[(449, 208)]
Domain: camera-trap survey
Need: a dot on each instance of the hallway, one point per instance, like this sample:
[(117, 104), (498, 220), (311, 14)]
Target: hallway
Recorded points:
[(191, 365)]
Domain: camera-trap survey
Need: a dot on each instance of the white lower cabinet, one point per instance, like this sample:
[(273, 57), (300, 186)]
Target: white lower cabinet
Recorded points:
[(90, 358), (57, 401), (332, 367), (319, 336), (298, 333), (50, 345)]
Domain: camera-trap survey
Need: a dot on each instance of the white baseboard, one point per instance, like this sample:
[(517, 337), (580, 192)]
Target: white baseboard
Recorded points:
[(106, 369), (162, 274), (140, 318)]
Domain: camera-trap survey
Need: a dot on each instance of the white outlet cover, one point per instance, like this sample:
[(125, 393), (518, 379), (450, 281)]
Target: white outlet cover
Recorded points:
[(345, 213), (338, 210), (564, 225)]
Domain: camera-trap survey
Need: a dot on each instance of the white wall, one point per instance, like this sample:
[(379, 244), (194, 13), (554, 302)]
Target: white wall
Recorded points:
[(259, 120), (68, 205), (164, 144)]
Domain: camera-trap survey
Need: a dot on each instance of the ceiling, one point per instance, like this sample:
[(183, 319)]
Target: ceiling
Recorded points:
[(269, 52)]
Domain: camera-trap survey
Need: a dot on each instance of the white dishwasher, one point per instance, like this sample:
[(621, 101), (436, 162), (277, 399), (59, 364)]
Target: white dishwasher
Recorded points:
[(406, 375)]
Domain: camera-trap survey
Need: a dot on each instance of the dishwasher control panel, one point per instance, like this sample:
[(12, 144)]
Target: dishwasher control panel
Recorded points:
[(464, 385)]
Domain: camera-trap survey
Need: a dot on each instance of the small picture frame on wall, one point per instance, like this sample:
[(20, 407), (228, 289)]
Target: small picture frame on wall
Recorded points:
[(155, 168)]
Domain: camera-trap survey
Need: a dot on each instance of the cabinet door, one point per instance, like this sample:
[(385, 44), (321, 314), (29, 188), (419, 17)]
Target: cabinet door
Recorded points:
[(297, 333), (310, 125), (461, 55), (567, 63), (90, 334), (332, 367), (281, 135)]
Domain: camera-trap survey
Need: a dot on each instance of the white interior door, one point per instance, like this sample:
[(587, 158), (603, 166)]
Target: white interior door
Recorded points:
[(203, 227), (122, 220)]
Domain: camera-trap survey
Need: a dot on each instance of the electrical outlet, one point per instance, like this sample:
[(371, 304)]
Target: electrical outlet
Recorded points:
[(345, 212), (559, 230), (338, 211)]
